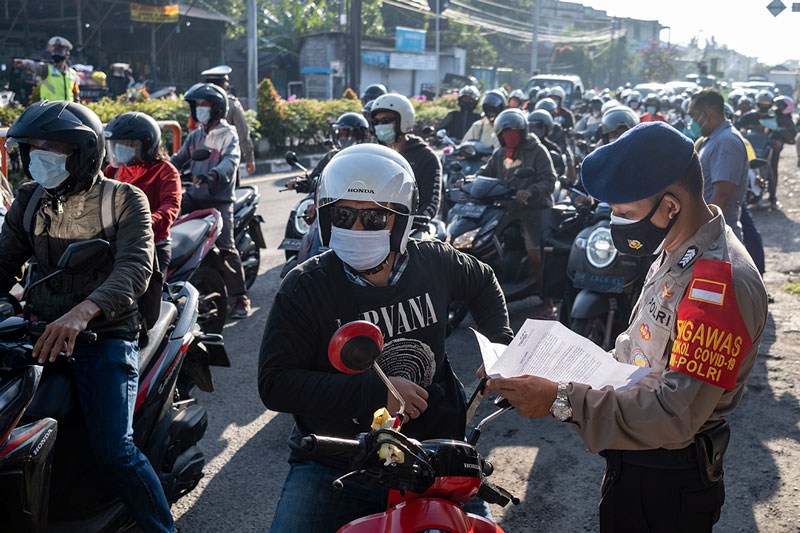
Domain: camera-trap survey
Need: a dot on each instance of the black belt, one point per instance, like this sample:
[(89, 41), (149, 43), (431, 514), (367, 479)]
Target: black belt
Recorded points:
[(681, 459)]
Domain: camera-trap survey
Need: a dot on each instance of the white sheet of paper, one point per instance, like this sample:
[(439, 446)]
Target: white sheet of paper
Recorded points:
[(548, 349)]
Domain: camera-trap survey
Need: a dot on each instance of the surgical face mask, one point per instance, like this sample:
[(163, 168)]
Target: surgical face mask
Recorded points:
[(634, 105), (48, 169), (362, 250), (385, 133), (640, 237), (651, 109), (695, 128), (344, 142), (203, 114), (124, 154)]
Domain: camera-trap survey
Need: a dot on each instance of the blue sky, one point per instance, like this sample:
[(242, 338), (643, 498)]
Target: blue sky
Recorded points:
[(744, 25)]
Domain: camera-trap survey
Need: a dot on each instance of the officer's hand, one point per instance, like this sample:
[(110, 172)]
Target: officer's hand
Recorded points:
[(251, 167), (532, 396), (414, 395), (481, 372), (60, 335), (522, 196)]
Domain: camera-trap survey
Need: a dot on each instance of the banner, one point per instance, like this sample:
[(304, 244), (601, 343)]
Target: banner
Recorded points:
[(157, 14)]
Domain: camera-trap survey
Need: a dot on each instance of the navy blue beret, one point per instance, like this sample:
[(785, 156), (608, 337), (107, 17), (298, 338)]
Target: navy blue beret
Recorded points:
[(642, 161)]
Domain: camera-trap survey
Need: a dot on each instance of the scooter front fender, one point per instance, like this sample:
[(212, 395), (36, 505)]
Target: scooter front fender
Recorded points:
[(422, 514), (589, 304)]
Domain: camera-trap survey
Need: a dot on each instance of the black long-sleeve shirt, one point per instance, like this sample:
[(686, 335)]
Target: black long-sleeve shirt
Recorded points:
[(315, 299), (428, 173)]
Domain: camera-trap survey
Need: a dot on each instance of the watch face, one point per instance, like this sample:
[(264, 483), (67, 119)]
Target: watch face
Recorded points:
[(561, 411)]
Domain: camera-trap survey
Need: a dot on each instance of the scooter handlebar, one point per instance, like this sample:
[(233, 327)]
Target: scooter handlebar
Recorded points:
[(333, 447)]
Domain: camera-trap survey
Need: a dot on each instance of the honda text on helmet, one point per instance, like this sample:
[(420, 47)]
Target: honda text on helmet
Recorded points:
[(61, 145), (383, 180), (387, 130), (132, 137), (208, 102)]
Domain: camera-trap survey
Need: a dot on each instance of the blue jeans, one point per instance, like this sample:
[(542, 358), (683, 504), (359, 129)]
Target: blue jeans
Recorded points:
[(309, 503), (107, 376)]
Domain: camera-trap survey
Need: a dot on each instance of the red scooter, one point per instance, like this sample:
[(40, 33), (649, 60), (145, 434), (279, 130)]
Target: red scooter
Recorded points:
[(429, 481)]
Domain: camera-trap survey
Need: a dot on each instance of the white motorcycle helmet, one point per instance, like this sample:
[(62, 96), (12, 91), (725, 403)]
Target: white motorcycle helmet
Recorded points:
[(558, 92), (370, 173), (398, 104)]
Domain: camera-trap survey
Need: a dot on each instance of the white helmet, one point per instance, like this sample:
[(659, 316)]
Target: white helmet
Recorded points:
[(398, 104), (370, 173), (608, 105), (58, 41), (559, 92)]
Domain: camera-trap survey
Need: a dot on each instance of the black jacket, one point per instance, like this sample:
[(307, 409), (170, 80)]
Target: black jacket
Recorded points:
[(458, 122), (428, 172), (315, 299)]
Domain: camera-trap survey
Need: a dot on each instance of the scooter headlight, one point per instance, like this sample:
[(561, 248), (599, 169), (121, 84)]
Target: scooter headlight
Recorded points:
[(300, 224), (465, 240), (600, 250)]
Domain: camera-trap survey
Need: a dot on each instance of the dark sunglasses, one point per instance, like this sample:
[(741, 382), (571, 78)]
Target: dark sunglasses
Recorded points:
[(371, 219), (385, 120)]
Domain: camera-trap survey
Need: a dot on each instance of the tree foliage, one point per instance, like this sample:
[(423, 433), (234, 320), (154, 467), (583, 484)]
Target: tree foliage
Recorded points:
[(656, 63)]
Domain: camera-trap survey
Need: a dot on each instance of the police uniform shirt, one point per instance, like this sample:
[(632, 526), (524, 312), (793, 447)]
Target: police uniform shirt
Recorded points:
[(689, 327)]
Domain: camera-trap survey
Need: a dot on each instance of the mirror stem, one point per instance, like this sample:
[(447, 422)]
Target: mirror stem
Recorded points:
[(393, 390)]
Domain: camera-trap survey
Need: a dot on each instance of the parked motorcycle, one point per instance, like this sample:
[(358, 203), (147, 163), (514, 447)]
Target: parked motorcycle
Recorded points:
[(429, 481), (605, 283), (478, 227), (47, 476)]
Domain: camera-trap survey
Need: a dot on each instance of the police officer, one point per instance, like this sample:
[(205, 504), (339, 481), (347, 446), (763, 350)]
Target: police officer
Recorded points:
[(235, 117), (59, 80), (697, 325)]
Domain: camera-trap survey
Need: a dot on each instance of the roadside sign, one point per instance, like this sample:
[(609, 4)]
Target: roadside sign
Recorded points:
[(776, 7), (796, 7)]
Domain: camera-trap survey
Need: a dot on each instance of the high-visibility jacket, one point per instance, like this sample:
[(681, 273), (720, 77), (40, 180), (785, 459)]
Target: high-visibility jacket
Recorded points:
[(58, 85)]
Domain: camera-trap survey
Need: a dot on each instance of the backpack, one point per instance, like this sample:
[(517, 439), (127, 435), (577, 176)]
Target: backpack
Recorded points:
[(149, 303)]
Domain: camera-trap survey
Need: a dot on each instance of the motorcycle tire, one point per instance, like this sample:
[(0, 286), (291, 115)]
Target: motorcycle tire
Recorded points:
[(593, 329), (250, 254), (456, 313), (213, 301)]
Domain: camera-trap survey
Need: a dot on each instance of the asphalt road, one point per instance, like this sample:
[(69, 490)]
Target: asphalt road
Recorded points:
[(542, 462)]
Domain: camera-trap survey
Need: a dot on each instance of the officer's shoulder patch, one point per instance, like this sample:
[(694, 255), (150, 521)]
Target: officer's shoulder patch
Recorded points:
[(688, 256), (712, 339)]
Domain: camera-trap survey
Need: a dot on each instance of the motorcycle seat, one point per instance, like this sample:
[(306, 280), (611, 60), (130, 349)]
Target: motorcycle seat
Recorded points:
[(242, 196), (186, 237), (156, 334)]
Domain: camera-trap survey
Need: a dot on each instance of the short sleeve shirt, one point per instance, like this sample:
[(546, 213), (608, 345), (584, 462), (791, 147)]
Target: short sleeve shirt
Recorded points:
[(724, 158)]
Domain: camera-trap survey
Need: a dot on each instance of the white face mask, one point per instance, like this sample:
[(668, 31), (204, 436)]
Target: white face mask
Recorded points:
[(385, 133), (203, 114), (361, 250), (124, 154), (48, 169)]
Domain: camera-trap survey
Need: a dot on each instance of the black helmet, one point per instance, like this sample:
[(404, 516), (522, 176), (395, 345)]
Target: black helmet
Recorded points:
[(510, 119), (533, 92), (493, 103), (351, 121), (619, 117), (652, 100), (372, 92), (543, 120), (209, 92), (548, 104), (66, 122), (469, 90), (135, 126)]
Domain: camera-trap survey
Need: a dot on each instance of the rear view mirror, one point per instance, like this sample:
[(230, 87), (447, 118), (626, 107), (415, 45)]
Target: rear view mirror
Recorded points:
[(355, 347), (200, 154), (427, 131), (291, 158), (80, 256)]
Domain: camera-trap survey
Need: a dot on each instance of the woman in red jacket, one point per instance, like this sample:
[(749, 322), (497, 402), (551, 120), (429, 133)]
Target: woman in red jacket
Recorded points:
[(134, 150)]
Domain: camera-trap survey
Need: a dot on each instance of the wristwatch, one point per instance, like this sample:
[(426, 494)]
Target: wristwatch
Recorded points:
[(561, 408)]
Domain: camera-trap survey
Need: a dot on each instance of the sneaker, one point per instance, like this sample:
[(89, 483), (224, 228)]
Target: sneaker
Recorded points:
[(241, 308)]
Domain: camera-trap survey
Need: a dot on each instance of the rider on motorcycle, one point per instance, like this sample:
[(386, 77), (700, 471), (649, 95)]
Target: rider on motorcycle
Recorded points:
[(517, 99), (62, 148), (561, 115), (519, 150), (557, 135), (493, 103), (617, 121), (393, 119), (652, 106), (372, 92), (213, 178), (374, 272), (456, 123), (541, 124), (134, 150), (593, 117)]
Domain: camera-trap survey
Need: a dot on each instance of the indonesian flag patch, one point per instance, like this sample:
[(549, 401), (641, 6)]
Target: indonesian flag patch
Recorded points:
[(712, 337)]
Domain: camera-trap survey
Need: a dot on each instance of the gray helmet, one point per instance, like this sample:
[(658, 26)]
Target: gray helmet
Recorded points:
[(619, 117), (519, 94), (728, 108), (543, 118), (547, 104), (470, 90), (510, 119), (763, 98)]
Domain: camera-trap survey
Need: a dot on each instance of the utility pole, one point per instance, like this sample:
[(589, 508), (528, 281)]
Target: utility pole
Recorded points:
[(252, 56), (355, 46), (438, 57), (535, 41)]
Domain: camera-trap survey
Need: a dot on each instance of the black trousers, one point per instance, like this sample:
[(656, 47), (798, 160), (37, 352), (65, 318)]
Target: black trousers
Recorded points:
[(647, 499), (164, 255)]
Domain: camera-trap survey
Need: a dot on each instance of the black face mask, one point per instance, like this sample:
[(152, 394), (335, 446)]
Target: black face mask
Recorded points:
[(640, 238), (467, 106), (58, 59)]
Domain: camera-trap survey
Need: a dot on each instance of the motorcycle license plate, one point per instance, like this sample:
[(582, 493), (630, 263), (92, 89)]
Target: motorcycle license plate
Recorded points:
[(468, 210), (598, 282), (293, 245)]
